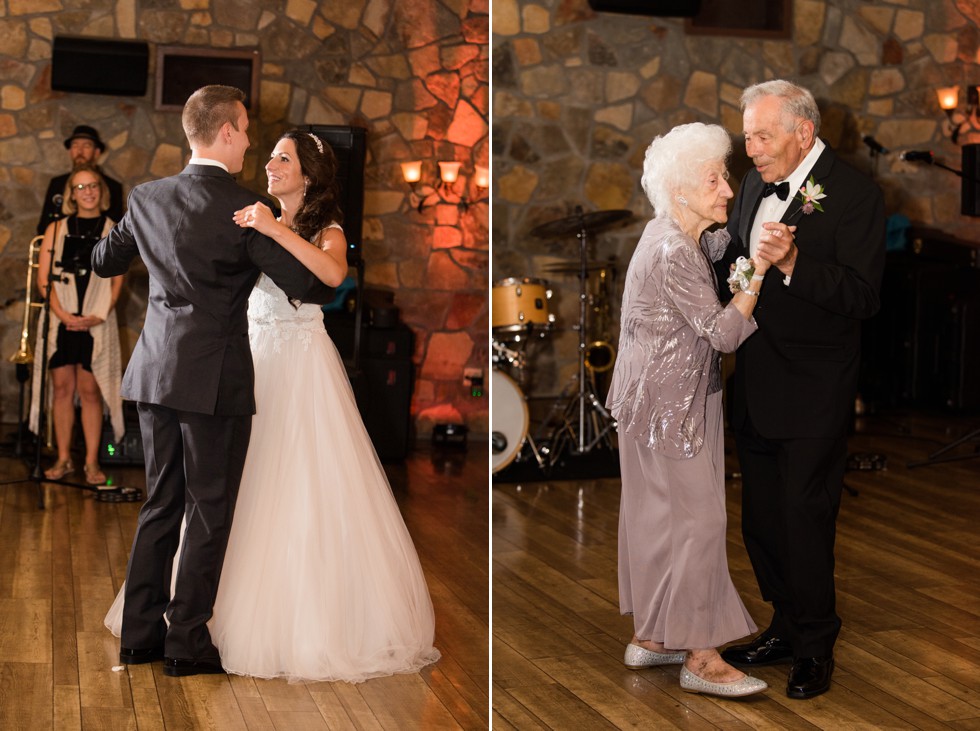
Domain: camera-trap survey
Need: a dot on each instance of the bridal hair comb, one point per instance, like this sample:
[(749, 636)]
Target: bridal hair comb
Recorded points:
[(319, 144)]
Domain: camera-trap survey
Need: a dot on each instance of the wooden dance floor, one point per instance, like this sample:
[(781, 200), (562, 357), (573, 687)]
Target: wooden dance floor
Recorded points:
[(908, 578), (61, 567)]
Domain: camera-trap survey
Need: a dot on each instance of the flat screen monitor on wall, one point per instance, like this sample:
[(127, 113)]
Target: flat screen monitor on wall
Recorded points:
[(182, 70)]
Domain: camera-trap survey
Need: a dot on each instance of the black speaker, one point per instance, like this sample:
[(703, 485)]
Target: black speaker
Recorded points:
[(383, 386), (970, 198), (384, 398), (99, 66), (660, 8), (350, 146)]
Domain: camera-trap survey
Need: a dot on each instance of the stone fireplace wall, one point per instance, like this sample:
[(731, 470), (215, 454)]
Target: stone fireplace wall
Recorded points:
[(415, 74)]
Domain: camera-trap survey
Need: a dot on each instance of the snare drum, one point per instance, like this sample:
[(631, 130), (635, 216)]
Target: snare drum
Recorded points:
[(508, 410), (518, 303)]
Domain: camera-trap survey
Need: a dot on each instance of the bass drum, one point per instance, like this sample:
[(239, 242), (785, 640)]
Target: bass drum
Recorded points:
[(510, 421)]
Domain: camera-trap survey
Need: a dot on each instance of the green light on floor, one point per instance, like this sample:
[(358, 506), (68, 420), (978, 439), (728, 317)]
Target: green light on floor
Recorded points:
[(111, 449)]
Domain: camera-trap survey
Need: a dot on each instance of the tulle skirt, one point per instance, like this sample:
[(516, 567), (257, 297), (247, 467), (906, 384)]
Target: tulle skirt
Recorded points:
[(321, 580)]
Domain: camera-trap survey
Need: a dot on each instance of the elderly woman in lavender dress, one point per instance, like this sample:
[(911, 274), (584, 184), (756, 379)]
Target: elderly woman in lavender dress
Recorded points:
[(666, 395)]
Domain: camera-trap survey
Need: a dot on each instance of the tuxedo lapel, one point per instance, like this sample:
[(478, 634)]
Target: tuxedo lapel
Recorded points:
[(753, 197)]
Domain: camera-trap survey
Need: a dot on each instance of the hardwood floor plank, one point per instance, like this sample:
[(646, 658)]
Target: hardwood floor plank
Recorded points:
[(26, 695), (458, 693), (25, 630), (332, 708), (908, 593), (66, 712), (512, 713), (559, 708), (146, 707), (356, 707), (66, 563), (396, 699)]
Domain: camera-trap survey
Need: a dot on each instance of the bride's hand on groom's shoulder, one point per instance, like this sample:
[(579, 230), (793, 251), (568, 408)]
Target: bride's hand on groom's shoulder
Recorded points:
[(258, 216)]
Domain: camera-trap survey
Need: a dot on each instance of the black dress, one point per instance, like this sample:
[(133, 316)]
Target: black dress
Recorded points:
[(72, 347)]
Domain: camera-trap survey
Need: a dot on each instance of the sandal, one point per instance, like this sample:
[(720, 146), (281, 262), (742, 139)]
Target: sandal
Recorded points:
[(94, 475), (59, 470)]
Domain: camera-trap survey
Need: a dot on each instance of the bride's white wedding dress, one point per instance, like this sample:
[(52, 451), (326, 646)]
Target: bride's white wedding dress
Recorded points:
[(321, 580)]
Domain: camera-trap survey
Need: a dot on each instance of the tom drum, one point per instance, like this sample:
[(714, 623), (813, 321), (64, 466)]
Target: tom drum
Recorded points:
[(517, 303)]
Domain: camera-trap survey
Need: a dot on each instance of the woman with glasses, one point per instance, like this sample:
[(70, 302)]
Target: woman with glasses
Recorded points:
[(83, 337)]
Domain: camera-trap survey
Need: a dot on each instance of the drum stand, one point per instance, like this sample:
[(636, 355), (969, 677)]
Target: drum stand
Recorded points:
[(583, 423)]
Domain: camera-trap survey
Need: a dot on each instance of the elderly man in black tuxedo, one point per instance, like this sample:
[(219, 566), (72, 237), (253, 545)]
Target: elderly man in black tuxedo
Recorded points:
[(795, 381), (191, 374)]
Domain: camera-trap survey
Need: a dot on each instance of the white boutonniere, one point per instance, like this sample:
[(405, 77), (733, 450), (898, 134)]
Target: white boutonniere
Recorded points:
[(742, 271), (810, 196)]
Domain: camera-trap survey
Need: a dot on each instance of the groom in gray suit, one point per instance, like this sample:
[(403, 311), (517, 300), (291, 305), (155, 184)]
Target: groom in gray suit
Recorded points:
[(191, 375)]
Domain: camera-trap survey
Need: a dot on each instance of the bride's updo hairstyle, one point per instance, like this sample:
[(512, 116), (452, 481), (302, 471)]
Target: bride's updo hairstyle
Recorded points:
[(674, 162), (320, 203)]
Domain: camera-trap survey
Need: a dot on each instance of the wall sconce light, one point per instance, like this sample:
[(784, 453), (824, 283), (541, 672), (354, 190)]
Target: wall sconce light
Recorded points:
[(481, 177), (425, 195), (959, 122)]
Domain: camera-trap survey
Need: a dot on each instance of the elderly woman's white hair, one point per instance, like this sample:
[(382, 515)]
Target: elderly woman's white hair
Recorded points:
[(674, 161)]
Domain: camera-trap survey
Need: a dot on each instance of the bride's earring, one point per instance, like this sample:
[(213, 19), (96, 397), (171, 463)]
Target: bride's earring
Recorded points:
[(306, 187)]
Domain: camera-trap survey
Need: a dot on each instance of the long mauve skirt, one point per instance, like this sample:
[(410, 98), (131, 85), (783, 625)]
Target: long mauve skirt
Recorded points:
[(673, 568)]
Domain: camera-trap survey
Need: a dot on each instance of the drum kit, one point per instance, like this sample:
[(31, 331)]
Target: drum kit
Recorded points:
[(577, 422)]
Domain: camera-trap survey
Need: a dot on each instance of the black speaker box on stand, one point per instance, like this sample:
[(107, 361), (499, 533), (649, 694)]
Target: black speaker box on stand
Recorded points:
[(99, 66)]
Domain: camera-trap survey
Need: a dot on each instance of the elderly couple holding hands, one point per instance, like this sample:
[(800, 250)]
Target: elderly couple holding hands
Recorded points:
[(807, 232)]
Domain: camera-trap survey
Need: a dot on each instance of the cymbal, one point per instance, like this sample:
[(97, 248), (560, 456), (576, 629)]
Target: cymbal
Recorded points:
[(579, 222), (572, 268)]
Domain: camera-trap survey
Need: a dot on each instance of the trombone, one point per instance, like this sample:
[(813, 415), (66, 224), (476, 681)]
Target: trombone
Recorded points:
[(25, 353)]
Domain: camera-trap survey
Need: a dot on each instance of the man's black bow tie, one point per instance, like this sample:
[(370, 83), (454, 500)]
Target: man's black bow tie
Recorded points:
[(781, 190)]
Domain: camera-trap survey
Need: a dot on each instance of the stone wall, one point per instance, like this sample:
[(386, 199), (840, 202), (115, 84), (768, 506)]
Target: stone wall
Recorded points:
[(416, 75), (579, 95)]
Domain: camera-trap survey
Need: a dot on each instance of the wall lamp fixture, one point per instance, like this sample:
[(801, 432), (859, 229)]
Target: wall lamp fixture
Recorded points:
[(450, 187), (959, 122)]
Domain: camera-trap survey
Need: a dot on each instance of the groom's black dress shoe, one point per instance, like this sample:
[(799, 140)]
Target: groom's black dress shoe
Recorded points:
[(809, 676), (177, 668), (763, 650), (132, 656)]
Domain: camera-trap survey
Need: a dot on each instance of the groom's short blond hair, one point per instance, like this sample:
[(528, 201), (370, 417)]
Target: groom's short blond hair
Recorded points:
[(206, 111)]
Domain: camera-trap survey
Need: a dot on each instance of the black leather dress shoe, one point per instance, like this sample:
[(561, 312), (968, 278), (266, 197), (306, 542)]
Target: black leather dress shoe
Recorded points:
[(177, 668), (809, 676), (133, 656), (763, 650)]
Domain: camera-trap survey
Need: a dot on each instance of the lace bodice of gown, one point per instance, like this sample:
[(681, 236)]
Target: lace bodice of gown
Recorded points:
[(270, 308)]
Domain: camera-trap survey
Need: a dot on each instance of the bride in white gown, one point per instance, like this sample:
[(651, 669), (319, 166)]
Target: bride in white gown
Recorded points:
[(321, 580)]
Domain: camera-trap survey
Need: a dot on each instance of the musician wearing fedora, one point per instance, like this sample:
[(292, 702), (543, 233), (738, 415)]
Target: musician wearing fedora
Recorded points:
[(821, 225), (84, 148)]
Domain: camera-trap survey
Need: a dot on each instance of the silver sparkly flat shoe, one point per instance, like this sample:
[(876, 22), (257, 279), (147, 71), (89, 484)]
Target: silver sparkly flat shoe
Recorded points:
[(637, 657), (746, 686)]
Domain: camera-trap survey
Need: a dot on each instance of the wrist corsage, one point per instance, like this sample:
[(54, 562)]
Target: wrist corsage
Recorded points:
[(741, 275)]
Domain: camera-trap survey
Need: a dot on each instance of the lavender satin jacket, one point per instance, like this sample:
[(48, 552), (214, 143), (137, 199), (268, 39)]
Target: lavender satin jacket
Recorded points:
[(673, 329)]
